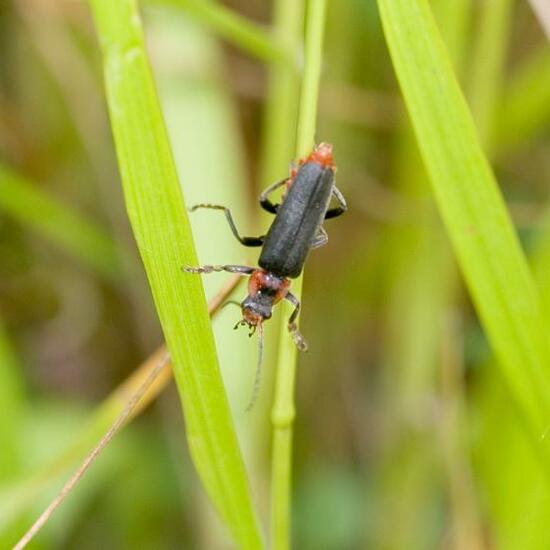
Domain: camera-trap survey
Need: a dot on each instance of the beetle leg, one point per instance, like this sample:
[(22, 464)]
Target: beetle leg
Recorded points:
[(320, 239), (299, 340), (238, 269), (246, 241), (265, 203), (342, 205)]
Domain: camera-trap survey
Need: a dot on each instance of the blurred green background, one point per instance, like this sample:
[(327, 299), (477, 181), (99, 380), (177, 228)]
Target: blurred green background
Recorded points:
[(406, 437)]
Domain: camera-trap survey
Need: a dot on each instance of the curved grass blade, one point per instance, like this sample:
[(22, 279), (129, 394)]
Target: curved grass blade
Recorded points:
[(161, 228), (83, 239), (244, 33), (467, 195)]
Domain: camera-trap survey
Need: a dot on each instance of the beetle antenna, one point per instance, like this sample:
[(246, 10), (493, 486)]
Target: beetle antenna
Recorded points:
[(258, 377)]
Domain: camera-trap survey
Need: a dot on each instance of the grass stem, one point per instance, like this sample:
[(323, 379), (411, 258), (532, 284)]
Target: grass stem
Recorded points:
[(283, 408)]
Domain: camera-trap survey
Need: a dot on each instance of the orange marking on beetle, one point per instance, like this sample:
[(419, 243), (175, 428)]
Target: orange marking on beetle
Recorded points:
[(322, 154), (264, 282)]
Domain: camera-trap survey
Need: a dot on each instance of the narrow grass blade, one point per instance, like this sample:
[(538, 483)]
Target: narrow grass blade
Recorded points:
[(309, 94), (80, 237), (279, 144), (466, 526), (281, 106), (235, 28), (13, 403), (161, 228), (452, 17), (14, 406), (283, 407), (422, 275), (514, 482), (487, 61), (482, 235), (518, 504), (524, 109)]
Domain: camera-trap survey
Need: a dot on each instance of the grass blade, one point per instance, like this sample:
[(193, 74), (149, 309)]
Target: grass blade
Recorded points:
[(524, 110), (452, 18), (235, 28), (477, 221), (281, 107), (82, 238), (14, 407), (197, 97), (423, 275), (161, 228), (13, 403), (489, 53), (283, 407), (517, 504)]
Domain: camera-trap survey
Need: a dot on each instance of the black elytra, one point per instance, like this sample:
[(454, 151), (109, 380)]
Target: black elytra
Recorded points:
[(297, 221)]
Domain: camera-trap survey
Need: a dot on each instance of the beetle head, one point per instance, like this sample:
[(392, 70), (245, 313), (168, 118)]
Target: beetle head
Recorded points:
[(256, 309)]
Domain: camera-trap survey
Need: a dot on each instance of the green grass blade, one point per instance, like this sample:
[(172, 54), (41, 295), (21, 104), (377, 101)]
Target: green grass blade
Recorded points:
[(235, 28), (83, 239), (517, 505), (14, 400), (524, 110), (278, 147), (541, 262), (13, 404), (283, 407), (452, 17), (480, 229), (422, 275), (161, 228), (488, 57), (281, 106), (309, 94), (196, 96)]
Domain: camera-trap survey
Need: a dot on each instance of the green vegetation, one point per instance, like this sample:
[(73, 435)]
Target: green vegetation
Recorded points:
[(419, 418)]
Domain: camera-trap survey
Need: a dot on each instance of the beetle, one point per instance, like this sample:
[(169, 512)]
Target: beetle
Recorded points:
[(296, 229)]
